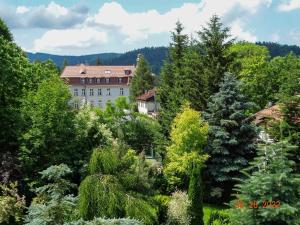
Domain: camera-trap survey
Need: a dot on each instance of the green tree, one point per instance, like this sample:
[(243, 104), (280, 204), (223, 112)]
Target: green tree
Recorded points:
[(214, 45), (48, 136), (231, 137), (270, 178), (252, 62), (171, 87), (12, 205), (118, 186), (143, 80), (98, 61), (53, 204), (5, 32), (64, 64)]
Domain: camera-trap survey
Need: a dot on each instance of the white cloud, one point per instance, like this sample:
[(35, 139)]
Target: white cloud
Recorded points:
[(22, 9), (238, 31), (138, 26), (60, 40), (56, 10), (289, 5)]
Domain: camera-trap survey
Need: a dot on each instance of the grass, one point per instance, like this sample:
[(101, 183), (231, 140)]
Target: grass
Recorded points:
[(208, 208)]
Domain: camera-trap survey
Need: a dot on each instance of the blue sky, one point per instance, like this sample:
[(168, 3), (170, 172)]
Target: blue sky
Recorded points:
[(76, 27)]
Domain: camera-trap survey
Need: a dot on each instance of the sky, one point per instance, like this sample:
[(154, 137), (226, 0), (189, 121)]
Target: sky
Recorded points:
[(78, 27)]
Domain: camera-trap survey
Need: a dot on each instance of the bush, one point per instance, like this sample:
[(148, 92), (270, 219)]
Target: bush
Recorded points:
[(178, 209), (101, 221), (220, 217), (162, 201)]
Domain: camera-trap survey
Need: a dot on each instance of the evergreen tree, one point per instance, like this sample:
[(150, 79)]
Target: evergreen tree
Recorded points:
[(98, 61), (53, 204), (171, 88), (231, 136), (273, 185), (143, 80), (217, 59), (65, 63), (4, 31)]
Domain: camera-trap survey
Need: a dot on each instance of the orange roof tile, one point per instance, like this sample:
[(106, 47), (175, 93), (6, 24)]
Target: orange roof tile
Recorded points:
[(96, 71), (147, 96)]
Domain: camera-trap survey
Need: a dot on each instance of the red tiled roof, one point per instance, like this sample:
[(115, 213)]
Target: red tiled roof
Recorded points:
[(147, 96), (96, 71)]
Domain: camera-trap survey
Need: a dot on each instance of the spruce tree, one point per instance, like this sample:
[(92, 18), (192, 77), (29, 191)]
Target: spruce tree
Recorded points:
[(214, 47), (270, 191), (65, 63), (5, 32), (231, 136), (171, 89), (143, 80), (98, 61)]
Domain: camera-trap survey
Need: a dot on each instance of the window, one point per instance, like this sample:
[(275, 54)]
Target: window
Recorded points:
[(100, 103), (76, 105), (108, 91), (91, 92), (82, 81), (127, 72), (98, 80), (107, 71), (83, 92), (99, 92), (120, 80), (91, 80), (75, 92), (121, 91), (92, 103), (107, 80)]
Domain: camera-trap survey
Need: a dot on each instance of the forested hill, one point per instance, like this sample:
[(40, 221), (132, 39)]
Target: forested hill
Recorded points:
[(154, 55), (276, 49)]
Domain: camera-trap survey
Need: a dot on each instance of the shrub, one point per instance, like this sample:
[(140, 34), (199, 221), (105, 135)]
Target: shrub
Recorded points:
[(218, 217), (162, 202), (101, 221), (178, 209)]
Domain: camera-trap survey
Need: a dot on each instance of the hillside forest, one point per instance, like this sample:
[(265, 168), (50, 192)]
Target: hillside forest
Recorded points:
[(91, 166)]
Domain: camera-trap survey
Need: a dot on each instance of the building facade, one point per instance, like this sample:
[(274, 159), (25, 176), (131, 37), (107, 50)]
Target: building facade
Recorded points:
[(147, 103), (97, 84)]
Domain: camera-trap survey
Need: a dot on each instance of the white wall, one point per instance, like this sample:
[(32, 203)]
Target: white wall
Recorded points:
[(147, 107), (114, 94)]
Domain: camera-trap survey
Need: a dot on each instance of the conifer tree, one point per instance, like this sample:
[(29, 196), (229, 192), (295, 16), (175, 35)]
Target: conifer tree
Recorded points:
[(143, 80), (270, 192), (98, 61), (217, 59), (65, 63), (231, 136), (5, 32), (171, 88)]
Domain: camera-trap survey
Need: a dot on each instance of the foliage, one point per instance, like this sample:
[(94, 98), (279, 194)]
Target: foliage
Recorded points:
[(271, 179), (188, 138), (178, 209), (49, 132), (252, 62), (171, 91), (219, 217), (195, 193), (4, 31), (143, 80), (52, 205), (101, 221), (214, 44), (118, 186), (163, 202), (231, 136), (12, 204)]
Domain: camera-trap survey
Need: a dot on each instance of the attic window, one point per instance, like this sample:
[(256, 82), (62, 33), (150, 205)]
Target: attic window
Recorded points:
[(107, 71), (127, 72), (82, 71)]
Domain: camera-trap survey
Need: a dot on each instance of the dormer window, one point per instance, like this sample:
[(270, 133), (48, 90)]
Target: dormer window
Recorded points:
[(107, 71), (98, 80), (120, 80), (107, 80), (91, 80), (82, 80), (127, 72)]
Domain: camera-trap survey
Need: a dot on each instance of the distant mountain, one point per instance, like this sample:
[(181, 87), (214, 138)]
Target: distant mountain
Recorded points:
[(276, 49), (154, 55)]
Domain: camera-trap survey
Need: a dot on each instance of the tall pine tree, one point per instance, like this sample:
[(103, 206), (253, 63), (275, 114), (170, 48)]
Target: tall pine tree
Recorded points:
[(171, 89), (143, 79), (217, 59), (231, 136)]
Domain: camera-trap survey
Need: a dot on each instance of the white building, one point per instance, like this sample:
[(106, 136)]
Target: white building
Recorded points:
[(97, 84), (147, 103)]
